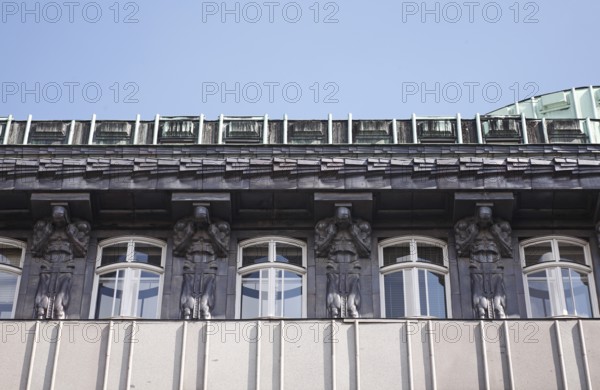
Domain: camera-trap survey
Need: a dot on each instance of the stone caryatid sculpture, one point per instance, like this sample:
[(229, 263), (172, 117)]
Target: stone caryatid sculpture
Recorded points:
[(485, 241), (57, 241), (201, 243), (343, 241)]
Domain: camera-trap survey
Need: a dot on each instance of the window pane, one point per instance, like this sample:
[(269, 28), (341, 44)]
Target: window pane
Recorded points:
[(286, 253), (255, 294), (114, 254), (577, 293), (436, 294), (148, 254), (571, 253), (394, 295), (255, 254), (10, 255), (147, 297), (110, 293), (396, 254), (538, 253), (539, 295), (8, 289), (428, 253), (288, 294)]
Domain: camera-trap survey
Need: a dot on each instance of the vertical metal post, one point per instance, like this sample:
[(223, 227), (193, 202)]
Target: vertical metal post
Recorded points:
[(486, 374), (409, 356), (394, 131), (357, 354), (584, 356), (155, 133), (350, 129), (414, 128), (136, 129), (591, 131), (459, 136), (206, 352), (220, 134), (27, 129), (281, 354), (7, 130), (432, 356), (257, 376), (333, 359), (92, 130), (71, 133), (111, 325), (533, 113), (509, 364), (330, 129), (545, 131), (575, 104), (563, 371), (56, 352), (479, 132), (266, 129), (285, 129), (524, 128), (201, 129), (592, 100), (36, 340), (182, 360), (130, 358)]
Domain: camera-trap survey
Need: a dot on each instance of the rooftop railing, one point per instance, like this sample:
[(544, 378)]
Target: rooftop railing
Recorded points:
[(238, 130)]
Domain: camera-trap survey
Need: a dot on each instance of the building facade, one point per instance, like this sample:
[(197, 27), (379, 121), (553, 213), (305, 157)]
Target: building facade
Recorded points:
[(184, 234)]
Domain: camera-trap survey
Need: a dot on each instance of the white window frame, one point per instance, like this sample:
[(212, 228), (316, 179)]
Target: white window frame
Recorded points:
[(413, 307), (557, 299), (128, 265), (272, 265), (18, 271)]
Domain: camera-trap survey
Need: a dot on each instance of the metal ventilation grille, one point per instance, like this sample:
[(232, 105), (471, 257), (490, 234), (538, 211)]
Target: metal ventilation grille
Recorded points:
[(538, 253), (428, 253), (399, 253), (149, 254), (286, 253), (255, 254), (571, 253), (10, 255), (114, 254)]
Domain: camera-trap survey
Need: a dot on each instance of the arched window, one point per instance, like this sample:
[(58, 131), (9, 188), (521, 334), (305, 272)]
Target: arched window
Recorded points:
[(271, 278), (414, 277), (12, 253), (558, 277), (128, 282)]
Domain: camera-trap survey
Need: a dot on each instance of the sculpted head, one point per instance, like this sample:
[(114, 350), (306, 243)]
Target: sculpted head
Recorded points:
[(484, 216), (59, 215), (343, 216), (201, 215)]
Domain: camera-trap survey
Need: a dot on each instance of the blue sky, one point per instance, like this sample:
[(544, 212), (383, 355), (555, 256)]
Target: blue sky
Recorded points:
[(68, 60)]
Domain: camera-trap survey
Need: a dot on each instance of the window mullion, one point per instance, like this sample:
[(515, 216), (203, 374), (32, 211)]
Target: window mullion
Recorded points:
[(271, 301), (282, 289), (272, 279), (127, 291), (114, 298), (426, 291), (557, 292)]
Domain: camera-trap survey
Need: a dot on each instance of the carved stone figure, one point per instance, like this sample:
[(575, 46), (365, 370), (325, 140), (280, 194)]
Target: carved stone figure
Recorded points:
[(201, 243), (343, 241), (485, 242), (56, 242)]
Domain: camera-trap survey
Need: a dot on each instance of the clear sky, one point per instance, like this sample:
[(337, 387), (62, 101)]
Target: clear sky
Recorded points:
[(379, 59)]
